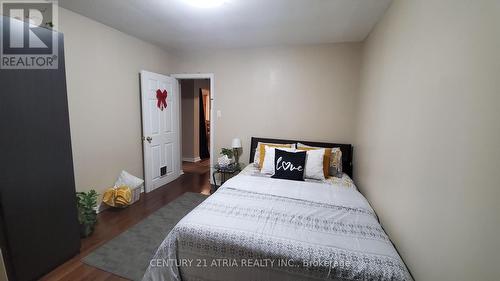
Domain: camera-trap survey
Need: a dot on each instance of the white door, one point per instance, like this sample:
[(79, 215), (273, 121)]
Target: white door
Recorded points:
[(160, 130)]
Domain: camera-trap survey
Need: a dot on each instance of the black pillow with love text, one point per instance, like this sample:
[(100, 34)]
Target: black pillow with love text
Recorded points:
[(289, 165)]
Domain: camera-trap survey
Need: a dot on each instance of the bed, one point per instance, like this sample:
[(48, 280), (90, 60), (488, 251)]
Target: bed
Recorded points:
[(258, 228)]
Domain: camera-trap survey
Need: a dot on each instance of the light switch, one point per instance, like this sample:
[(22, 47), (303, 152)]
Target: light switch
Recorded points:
[(219, 114)]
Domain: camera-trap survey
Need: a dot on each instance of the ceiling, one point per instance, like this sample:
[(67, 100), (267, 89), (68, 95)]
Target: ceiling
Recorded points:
[(177, 25)]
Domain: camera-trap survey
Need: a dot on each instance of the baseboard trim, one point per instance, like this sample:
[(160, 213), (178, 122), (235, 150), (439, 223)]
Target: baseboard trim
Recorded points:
[(193, 160)]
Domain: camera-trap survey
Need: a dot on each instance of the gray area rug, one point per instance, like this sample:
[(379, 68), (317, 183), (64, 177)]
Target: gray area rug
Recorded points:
[(128, 254)]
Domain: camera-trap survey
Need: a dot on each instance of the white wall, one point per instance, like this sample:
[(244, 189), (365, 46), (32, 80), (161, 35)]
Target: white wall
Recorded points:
[(102, 70), (306, 92), (427, 151)]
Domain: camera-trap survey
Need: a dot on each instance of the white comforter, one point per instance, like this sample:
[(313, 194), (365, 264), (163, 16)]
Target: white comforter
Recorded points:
[(257, 228)]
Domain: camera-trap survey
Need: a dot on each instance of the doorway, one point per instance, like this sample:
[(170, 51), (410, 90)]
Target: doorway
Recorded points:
[(197, 122), (161, 111), (195, 119)]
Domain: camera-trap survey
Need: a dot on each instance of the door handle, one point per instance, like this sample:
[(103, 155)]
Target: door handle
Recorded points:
[(149, 139)]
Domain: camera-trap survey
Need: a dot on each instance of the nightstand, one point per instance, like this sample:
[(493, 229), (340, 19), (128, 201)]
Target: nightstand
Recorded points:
[(225, 173)]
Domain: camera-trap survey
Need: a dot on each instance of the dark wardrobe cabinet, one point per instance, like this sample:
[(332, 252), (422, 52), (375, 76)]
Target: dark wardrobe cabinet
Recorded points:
[(39, 227)]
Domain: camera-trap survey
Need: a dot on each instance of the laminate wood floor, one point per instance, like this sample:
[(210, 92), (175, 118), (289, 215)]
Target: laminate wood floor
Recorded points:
[(112, 222)]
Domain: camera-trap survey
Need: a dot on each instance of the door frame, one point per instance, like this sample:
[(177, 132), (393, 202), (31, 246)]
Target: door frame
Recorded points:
[(213, 116)]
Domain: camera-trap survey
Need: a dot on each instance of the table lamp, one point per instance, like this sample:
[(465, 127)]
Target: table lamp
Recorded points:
[(236, 145)]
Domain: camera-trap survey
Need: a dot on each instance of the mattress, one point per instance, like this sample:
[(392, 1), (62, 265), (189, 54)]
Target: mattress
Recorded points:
[(260, 228)]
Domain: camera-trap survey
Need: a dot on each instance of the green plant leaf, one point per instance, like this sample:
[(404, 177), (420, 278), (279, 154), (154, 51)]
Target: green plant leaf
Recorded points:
[(86, 204), (227, 151)]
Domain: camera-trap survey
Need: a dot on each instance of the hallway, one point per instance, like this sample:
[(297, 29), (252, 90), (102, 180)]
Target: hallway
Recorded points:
[(199, 173)]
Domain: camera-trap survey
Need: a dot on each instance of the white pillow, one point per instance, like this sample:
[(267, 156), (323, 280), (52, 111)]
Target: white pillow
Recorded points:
[(128, 180), (335, 165), (314, 164), (268, 164)]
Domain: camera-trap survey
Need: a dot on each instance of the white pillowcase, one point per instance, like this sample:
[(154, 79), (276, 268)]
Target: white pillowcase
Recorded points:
[(335, 165), (314, 164), (129, 180), (268, 164)]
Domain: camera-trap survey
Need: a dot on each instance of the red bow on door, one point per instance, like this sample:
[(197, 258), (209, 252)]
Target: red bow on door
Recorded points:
[(162, 98)]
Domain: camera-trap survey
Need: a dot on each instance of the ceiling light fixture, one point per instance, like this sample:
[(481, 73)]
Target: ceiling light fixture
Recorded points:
[(205, 3)]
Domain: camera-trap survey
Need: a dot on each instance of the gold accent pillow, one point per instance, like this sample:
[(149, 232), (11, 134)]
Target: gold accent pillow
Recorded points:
[(261, 147), (256, 158)]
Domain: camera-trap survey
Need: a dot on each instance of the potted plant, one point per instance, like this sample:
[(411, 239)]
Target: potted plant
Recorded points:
[(87, 215), (227, 155)]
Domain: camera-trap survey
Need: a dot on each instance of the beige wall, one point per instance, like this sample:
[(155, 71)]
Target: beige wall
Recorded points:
[(305, 92), (102, 70), (427, 149), (287, 83), (423, 118)]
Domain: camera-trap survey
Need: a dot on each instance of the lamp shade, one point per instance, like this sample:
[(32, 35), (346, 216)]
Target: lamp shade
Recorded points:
[(236, 143)]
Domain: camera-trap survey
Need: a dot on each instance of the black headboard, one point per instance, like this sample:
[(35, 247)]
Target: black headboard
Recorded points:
[(345, 148)]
